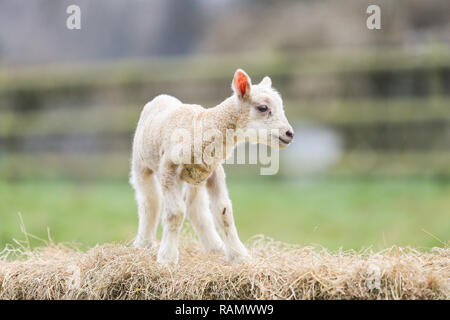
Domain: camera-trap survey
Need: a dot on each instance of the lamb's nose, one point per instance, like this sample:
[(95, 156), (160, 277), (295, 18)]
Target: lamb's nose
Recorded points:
[(290, 134)]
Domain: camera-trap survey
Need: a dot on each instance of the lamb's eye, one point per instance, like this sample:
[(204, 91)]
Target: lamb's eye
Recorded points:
[(262, 108)]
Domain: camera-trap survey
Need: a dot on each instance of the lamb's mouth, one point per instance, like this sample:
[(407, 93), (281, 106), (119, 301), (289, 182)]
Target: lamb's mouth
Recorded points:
[(284, 141)]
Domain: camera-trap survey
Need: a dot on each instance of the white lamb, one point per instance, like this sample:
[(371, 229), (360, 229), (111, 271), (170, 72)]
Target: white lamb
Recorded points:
[(161, 172)]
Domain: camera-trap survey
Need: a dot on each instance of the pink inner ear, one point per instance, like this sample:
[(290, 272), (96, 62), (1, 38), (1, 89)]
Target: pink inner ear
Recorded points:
[(241, 82)]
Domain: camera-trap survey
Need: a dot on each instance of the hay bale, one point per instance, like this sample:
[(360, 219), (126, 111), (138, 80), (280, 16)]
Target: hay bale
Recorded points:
[(276, 271)]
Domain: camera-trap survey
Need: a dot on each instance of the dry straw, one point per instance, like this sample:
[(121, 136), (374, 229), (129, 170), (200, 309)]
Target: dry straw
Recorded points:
[(276, 271)]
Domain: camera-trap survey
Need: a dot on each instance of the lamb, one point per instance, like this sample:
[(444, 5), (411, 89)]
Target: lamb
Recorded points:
[(168, 177)]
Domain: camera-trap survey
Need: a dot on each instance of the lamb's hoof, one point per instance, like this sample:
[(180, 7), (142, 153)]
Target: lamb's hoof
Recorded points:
[(238, 258), (170, 259), (145, 244), (216, 251)]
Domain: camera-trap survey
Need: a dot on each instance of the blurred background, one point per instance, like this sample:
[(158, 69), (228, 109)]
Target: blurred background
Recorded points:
[(369, 167)]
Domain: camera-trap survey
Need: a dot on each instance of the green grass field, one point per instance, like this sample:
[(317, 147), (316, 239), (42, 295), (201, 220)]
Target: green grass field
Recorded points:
[(348, 213)]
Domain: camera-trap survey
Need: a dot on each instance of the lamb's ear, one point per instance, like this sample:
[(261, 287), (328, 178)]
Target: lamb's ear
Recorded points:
[(267, 82), (241, 84)]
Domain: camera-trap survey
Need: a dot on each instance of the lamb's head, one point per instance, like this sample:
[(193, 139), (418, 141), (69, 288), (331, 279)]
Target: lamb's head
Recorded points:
[(263, 111)]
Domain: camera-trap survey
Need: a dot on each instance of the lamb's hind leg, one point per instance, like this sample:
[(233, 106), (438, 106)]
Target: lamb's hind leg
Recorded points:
[(223, 214), (148, 197), (173, 213), (197, 210)]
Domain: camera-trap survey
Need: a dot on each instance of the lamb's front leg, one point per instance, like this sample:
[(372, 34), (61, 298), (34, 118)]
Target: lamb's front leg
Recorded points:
[(173, 214), (201, 219), (223, 213)]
